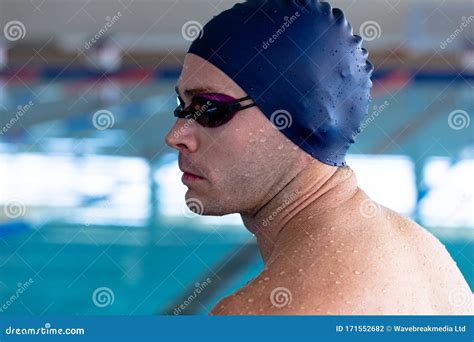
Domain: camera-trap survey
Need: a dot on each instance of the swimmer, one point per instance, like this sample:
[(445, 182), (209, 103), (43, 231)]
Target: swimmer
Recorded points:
[(271, 96)]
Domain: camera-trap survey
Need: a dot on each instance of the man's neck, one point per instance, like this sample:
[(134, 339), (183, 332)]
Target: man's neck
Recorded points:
[(314, 190)]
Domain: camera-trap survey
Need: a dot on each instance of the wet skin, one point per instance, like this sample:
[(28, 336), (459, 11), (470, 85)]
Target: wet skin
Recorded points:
[(327, 248)]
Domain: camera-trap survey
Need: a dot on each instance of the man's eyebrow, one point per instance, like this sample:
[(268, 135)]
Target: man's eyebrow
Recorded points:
[(194, 91)]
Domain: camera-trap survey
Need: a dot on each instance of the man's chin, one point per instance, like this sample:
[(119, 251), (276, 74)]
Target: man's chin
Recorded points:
[(205, 206)]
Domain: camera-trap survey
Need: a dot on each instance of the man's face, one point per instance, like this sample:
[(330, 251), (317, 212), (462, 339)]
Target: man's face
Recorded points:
[(243, 162)]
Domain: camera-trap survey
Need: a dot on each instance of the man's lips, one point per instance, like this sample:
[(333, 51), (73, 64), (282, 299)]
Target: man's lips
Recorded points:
[(191, 175), (188, 175), (190, 178)]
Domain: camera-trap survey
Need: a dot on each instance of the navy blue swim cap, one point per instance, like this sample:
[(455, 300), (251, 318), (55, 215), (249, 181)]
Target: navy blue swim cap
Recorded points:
[(300, 63)]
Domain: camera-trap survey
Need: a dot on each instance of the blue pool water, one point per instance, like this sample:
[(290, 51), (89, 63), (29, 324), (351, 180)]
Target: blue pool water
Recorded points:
[(104, 209)]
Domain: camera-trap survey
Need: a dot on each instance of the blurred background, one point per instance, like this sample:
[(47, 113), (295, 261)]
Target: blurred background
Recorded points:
[(92, 211)]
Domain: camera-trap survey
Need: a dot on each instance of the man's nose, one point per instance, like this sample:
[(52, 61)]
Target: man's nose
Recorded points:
[(182, 136)]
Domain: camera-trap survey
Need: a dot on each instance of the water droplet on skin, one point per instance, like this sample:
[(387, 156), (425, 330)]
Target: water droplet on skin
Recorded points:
[(266, 278), (282, 272), (355, 251), (250, 300), (337, 282), (332, 228), (330, 272), (300, 270), (332, 241), (356, 272), (310, 217), (342, 243)]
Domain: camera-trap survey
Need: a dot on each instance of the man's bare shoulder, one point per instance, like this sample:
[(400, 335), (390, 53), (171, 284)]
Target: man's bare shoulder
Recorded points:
[(396, 268)]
